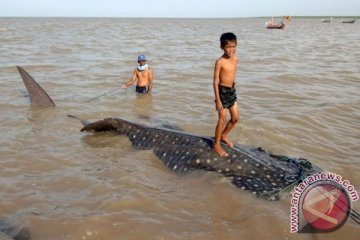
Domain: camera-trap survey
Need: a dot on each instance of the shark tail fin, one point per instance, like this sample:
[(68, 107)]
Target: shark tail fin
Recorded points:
[(38, 96)]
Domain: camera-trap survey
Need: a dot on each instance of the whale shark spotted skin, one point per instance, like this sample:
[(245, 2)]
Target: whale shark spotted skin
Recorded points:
[(254, 170)]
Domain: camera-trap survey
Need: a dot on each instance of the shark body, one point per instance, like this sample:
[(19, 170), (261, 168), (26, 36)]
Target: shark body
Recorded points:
[(255, 170)]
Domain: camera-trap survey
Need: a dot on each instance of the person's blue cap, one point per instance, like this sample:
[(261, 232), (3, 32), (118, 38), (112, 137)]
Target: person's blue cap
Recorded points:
[(141, 57)]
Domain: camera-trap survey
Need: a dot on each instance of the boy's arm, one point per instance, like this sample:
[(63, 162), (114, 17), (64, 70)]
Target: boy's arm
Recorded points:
[(216, 85), (131, 82), (150, 79)]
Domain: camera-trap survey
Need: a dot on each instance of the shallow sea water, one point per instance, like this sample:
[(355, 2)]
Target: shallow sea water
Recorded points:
[(298, 92)]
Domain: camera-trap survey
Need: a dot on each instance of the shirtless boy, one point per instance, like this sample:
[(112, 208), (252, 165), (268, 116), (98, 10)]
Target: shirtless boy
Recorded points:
[(225, 93), (143, 74)]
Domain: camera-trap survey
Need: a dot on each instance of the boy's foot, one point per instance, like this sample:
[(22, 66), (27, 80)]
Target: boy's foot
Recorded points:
[(219, 150), (227, 141)]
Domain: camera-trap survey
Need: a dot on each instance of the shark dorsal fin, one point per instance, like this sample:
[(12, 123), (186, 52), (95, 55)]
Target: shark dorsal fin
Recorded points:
[(38, 96)]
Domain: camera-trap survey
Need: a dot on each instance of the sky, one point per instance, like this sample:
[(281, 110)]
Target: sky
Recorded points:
[(177, 8)]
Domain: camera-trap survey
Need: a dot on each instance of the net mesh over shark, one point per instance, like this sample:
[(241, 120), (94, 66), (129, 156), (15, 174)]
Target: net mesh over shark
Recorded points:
[(254, 170)]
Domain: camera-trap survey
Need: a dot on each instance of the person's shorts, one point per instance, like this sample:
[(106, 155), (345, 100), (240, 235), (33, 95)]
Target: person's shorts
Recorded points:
[(140, 89), (227, 96)]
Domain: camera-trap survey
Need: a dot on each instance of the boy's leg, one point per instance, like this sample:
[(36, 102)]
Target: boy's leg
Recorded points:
[(230, 124), (218, 131)]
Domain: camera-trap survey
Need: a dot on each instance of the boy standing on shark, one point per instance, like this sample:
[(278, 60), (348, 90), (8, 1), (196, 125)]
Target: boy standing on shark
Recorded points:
[(225, 93)]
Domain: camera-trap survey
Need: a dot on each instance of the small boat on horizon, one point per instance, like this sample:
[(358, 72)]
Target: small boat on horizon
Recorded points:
[(281, 25), (326, 20), (349, 21)]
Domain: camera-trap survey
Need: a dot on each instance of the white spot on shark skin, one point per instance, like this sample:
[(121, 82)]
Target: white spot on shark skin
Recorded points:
[(257, 165), (164, 154), (256, 185), (197, 161), (234, 156), (268, 176), (254, 193), (215, 159), (245, 160), (144, 138), (183, 157), (238, 178), (226, 170), (138, 130), (208, 161), (243, 188), (239, 167), (219, 170), (173, 143), (253, 172), (249, 180), (274, 184), (185, 169), (175, 166), (154, 140), (134, 136), (187, 153)]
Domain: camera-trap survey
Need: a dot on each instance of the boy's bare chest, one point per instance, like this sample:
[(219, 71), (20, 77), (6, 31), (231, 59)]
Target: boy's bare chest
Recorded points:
[(228, 68), (143, 74)]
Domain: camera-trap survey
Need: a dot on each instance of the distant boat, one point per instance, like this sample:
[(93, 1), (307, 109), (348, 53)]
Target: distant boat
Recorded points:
[(326, 20), (281, 25), (277, 26), (348, 21)]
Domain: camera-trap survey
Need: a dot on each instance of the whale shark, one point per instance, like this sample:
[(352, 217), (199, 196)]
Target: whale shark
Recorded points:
[(255, 170)]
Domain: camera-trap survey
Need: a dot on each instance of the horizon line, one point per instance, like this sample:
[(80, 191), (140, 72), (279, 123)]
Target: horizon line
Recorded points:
[(310, 16)]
